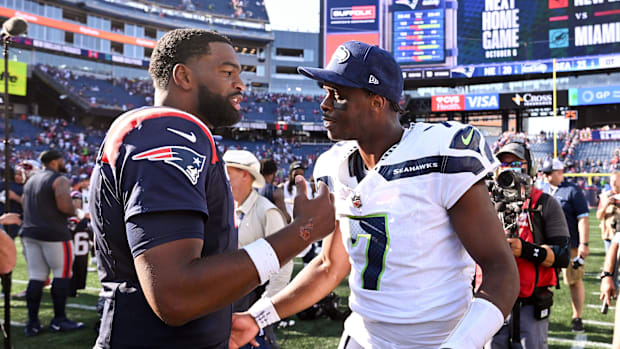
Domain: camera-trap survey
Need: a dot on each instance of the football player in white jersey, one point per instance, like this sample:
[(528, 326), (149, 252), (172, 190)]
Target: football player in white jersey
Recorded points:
[(414, 215)]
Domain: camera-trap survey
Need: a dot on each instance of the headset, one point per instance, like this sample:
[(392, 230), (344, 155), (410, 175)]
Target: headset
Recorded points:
[(528, 158)]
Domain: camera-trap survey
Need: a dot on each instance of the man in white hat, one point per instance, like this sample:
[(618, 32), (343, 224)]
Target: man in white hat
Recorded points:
[(257, 218)]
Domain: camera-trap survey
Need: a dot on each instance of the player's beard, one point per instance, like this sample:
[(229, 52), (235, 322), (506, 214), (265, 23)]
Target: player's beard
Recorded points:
[(216, 109)]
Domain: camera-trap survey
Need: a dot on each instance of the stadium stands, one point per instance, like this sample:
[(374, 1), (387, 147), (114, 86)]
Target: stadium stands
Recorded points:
[(97, 91), (246, 9)]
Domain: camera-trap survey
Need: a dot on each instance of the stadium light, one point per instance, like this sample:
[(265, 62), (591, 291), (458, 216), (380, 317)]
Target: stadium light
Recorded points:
[(12, 27)]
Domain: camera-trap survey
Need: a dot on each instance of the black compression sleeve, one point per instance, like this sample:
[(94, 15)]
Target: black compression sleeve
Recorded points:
[(533, 253), (559, 246)]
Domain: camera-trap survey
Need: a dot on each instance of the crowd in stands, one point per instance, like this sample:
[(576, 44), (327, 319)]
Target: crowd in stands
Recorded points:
[(111, 92), (242, 9), (284, 107), (128, 93)]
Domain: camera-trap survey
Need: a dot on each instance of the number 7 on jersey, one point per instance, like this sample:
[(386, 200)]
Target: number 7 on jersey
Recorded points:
[(369, 235)]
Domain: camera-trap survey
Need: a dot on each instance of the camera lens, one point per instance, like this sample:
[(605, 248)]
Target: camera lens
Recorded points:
[(506, 179)]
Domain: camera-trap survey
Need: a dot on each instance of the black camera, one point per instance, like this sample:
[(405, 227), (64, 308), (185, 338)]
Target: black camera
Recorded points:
[(578, 262), (509, 192)]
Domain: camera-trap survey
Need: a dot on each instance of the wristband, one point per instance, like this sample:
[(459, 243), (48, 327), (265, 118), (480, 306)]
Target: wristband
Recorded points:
[(533, 253), (583, 243), (481, 321), (264, 313), (264, 258)]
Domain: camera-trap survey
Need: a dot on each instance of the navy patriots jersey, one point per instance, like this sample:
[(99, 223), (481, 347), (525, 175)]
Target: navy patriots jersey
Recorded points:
[(82, 238), (156, 160)]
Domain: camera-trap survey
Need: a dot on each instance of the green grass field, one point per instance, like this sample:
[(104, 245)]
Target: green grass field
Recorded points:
[(322, 333)]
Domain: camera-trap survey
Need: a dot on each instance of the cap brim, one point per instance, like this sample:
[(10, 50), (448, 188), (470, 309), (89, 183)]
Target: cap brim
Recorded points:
[(326, 76), (259, 180)]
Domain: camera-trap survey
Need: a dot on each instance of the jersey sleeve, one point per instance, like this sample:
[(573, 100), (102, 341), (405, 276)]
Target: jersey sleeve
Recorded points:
[(466, 158), (163, 165), (322, 171)]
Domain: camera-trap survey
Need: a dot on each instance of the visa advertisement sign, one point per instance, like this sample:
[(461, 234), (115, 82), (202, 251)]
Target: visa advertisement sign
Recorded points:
[(484, 101), (594, 95)]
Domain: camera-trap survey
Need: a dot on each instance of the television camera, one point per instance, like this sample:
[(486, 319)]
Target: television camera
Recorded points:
[(509, 192)]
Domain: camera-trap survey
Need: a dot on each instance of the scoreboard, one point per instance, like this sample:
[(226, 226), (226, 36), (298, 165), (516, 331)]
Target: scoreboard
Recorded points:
[(418, 37)]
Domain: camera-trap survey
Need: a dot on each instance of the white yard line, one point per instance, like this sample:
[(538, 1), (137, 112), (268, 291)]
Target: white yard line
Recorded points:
[(15, 323), (81, 306), (580, 341), (582, 344), (598, 306), (24, 282), (598, 323)]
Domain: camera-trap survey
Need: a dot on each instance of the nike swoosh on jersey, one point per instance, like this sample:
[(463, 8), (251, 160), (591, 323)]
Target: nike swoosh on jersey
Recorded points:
[(192, 137), (467, 139)]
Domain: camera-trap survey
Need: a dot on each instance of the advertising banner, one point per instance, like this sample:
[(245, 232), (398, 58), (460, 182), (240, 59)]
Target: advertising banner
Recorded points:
[(484, 101), (18, 77), (346, 20), (448, 103), (594, 95), (75, 28), (538, 99)]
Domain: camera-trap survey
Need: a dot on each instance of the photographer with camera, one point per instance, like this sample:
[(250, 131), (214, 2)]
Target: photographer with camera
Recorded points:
[(576, 212), (538, 236), (608, 210)]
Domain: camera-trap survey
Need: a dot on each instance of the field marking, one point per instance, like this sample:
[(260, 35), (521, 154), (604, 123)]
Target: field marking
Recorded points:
[(589, 344), (580, 341), (15, 323), (81, 306), (598, 306), (24, 282), (598, 323)]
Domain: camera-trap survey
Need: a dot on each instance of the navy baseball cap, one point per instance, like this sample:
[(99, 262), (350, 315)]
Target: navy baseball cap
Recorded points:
[(357, 64)]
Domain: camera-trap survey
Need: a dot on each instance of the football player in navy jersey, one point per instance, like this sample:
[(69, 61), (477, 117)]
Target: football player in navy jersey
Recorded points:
[(413, 215), (162, 209)]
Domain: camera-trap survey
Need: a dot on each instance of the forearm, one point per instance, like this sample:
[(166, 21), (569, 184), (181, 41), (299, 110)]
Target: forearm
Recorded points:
[(192, 286), (550, 259), (8, 253), (311, 285), (500, 285), (610, 258), (584, 229), (600, 211)]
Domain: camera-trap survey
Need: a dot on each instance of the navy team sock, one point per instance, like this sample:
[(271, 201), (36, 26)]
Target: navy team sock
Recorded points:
[(60, 291), (34, 291)]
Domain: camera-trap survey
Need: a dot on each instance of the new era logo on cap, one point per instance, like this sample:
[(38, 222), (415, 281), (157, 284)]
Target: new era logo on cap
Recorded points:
[(357, 64)]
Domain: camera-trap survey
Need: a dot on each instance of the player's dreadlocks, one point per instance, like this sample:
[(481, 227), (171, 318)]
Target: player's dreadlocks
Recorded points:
[(177, 46)]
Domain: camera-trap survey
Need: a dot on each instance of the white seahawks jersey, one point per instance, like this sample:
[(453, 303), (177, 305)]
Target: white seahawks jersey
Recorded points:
[(408, 265)]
